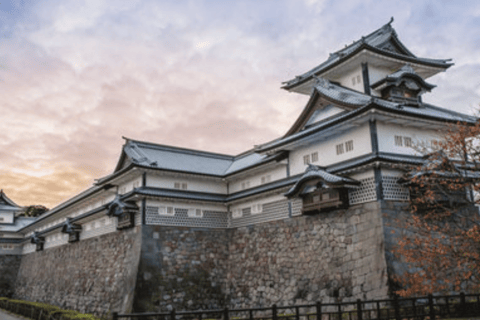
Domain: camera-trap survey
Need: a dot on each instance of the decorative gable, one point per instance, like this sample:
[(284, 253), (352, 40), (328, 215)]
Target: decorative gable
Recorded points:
[(321, 191), (124, 211), (73, 230), (403, 86), (38, 241)]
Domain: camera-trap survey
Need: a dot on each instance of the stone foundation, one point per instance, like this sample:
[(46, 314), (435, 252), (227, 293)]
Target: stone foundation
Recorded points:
[(335, 256), (9, 265), (182, 268), (96, 275)]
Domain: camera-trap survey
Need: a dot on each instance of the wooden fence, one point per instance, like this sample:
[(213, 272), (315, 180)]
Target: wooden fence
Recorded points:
[(429, 307)]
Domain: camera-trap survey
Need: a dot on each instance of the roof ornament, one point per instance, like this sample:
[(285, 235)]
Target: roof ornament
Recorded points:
[(312, 167), (322, 82), (70, 227), (391, 20)]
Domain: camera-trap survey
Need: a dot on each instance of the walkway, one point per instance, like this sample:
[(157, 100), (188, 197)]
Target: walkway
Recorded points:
[(6, 316)]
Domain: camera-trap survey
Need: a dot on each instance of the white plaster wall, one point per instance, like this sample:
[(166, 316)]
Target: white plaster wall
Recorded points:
[(250, 203), (387, 133), (376, 74), (128, 186), (55, 239), (346, 80), (363, 175), (392, 172), (324, 113), (6, 217), (327, 152), (183, 205), (276, 173), (193, 184)]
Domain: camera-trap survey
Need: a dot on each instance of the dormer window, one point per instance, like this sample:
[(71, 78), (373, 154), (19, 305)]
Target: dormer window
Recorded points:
[(404, 86)]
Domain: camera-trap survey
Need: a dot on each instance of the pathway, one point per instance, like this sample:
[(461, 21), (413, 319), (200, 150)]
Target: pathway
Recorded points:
[(6, 316)]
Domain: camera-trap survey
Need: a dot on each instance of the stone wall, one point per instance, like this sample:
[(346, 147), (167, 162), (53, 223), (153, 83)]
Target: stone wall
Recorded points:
[(182, 268), (9, 265), (336, 256), (96, 275), (395, 214)]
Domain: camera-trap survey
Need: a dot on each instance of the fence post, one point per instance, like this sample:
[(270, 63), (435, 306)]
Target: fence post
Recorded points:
[(397, 308), (462, 304), (359, 310), (225, 314), (339, 311), (172, 314), (274, 312), (431, 307), (115, 316), (319, 310)]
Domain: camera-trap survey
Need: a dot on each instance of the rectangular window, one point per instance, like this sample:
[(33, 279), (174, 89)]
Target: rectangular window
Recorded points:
[(353, 81), (195, 213), (315, 157), (176, 185), (166, 211), (184, 186), (266, 179), (349, 146), (339, 148), (2, 219), (245, 185), (407, 141), (236, 213), (257, 208), (358, 79), (306, 159), (399, 141)]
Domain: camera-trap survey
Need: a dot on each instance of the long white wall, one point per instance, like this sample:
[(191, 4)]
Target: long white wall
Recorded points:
[(6, 217), (192, 184), (327, 150), (353, 80), (258, 179), (419, 137)]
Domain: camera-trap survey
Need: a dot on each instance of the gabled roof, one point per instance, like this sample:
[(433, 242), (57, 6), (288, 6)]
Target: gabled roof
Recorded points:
[(319, 176), (156, 156), (383, 41), (356, 103), (6, 204), (395, 78)]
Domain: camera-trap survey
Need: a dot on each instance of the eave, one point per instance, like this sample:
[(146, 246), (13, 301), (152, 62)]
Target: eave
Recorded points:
[(364, 48), (370, 108)]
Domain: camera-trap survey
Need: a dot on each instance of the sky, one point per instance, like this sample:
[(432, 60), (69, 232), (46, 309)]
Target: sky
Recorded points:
[(77, 76)]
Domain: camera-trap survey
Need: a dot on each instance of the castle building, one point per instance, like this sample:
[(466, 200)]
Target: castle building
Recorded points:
[(298, 219)]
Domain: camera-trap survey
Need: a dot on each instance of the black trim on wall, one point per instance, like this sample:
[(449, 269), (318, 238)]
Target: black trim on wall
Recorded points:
[(378, 183), (144, 210), (144, 179), (374, 136), (289, 209), (366, 78)]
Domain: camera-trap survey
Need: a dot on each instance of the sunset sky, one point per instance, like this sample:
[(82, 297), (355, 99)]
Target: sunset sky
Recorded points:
[(76, 76)]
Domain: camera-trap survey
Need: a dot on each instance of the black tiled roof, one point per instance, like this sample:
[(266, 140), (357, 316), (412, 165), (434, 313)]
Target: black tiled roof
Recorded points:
[(375, 42)]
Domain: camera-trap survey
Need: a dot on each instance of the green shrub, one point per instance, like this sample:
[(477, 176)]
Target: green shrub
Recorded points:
[(52, 311)]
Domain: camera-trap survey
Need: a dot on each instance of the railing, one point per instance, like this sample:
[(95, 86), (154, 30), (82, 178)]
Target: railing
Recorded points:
[(430, 307)]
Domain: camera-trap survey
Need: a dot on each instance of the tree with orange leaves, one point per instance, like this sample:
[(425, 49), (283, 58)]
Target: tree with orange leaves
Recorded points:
[(440, 244)]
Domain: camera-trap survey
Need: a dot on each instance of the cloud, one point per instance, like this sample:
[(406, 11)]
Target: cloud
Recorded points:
[(76, 76)]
